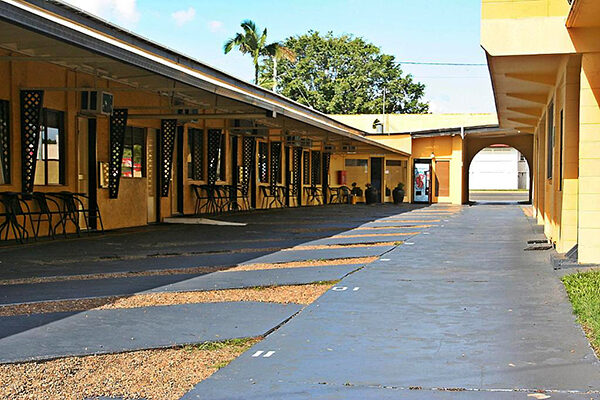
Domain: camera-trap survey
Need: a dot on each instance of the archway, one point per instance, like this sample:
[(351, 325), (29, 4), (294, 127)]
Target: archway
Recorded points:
[(499, 174), (522, 146)]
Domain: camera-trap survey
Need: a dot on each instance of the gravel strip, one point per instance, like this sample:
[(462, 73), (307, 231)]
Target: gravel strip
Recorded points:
[(303, 264), (299, 294), (341, 246), (165, 374)]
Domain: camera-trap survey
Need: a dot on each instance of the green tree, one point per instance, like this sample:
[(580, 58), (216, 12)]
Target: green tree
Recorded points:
[(345, 75), (252, 42)]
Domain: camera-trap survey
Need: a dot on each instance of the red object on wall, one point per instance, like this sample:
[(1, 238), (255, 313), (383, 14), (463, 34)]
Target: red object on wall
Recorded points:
[(341, 177)]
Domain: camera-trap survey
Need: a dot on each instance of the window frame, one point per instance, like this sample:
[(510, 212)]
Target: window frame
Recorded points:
[(561, 150), (550, 141), (60, 118), (130, 130)]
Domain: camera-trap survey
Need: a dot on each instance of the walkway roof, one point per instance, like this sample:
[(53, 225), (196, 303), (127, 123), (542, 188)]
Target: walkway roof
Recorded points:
[(51, 31)]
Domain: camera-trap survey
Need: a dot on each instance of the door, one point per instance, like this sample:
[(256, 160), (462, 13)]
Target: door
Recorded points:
[(86, 167), (442, 178), (151, 176), (235, 172), (422, 181), (178, 184), (377, 175)]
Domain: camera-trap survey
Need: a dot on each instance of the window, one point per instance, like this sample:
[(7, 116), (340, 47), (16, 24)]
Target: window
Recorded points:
[(134, 151), (560, 159), (550, 141), (306, 168), (195, 156), (263, 166), (393, 163), (4, 143), (316, 168), (356, 163), (216, 156), (50, 164)]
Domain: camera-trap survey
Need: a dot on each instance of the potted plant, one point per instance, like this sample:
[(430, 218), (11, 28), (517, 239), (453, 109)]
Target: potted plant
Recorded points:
[(371, 195), (398, 193)]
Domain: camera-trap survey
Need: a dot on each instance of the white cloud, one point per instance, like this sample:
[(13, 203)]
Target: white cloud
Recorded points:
[(121, 11), (215, 26), (182, 17)]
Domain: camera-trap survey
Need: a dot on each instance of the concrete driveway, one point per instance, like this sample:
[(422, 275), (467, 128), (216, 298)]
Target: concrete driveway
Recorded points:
[(458, 312)]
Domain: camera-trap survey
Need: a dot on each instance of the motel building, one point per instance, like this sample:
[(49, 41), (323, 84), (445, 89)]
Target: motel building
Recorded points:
[(99, 118), (544, 61)]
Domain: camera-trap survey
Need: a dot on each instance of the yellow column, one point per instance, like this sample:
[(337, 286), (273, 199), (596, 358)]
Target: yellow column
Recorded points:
[(589, 160)]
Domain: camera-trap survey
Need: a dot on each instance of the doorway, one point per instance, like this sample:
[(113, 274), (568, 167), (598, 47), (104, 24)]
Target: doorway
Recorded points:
[(86, 167), (422, 181), (377, 176), (151, 176)]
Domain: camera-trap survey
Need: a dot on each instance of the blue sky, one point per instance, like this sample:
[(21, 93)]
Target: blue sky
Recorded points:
[(412, 30)]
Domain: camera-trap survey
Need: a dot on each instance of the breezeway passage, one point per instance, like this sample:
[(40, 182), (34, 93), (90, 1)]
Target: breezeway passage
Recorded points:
[(464, 313)]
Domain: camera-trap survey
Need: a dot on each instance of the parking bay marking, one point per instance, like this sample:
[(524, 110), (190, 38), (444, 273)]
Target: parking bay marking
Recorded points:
[(265, 355), (344, 288)]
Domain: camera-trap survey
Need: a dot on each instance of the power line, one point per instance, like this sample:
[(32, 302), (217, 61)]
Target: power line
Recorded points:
[(442, 63)]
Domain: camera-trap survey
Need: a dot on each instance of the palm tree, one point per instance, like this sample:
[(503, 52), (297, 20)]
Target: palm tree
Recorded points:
[(252, 42)]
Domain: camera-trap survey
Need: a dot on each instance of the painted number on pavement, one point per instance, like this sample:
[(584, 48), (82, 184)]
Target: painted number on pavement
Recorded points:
[(344, 288)]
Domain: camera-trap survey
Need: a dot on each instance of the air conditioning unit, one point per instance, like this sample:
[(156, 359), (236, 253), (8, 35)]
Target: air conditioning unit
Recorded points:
[(348, 148), (97, 102), (307, 143), (293, 140)]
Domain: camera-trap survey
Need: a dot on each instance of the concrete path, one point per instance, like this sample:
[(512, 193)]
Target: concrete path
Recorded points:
[(460, 313), (81, 289), (111, 331)]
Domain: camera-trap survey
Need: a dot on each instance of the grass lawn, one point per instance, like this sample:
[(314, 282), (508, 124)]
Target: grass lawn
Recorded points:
[(583, 289)]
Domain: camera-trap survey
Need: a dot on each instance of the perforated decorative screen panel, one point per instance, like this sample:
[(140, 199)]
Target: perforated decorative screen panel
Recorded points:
[(263, 165), (248, 154), (4, 142), (316, 168), (275, 165), (168, 129), (306, 168), (296, 156), (31, 115), (215, 146), (118, 123)]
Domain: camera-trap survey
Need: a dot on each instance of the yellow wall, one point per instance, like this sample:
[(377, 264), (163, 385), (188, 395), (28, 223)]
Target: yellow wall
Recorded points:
[(589, 160), (444, 148)]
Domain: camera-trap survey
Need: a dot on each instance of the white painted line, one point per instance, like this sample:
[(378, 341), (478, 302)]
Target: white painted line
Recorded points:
[(339, 288), (408, 243), (425, 233), (269, 354), (356, 289), (385, 259), (258, 353)]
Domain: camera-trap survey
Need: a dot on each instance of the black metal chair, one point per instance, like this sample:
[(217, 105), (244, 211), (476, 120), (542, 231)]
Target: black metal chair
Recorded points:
[(314, 194), (271, 193), (15, 207), (206, 199), (44, 203), (73, 209)]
